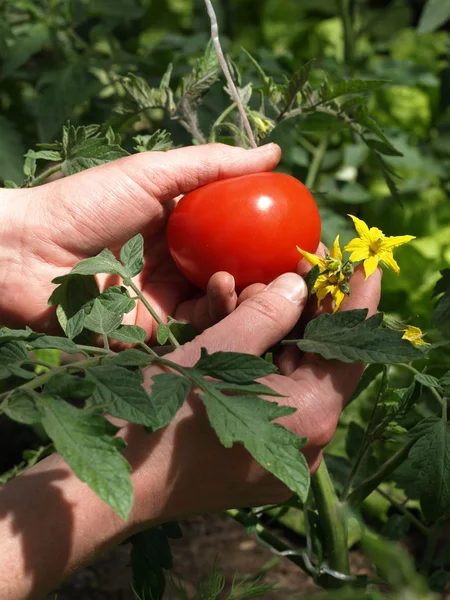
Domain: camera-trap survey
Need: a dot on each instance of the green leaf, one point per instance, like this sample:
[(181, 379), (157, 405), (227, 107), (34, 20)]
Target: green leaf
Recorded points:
[(435, 14), (167, 395), (382, 147), (348, 337), (132, 256), (311, 278), (233, 367), (160, 141), (183, 332), (441, 312), (296, 83), (51, 155), (253, 388), (204, 74), (430, 459), (21, 406), (12, 355), (71, 296), (31, 40), (144, 96), (10, 335), (120, 392), (353, 86), (92, 153), (427, 380), (87, 444), (132, 358), (247, 420), (162, 334), (105, 262), (69, 387), (55, 343), (115, 298), (150, 556), (129, 334), (12, 150), (101, 320)]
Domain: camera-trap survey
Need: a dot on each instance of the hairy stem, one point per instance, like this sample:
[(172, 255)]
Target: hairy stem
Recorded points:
[(371, 484), (331, 519), (226, 71), (407, 513), (40, 179), (151, 310), (316, 162)]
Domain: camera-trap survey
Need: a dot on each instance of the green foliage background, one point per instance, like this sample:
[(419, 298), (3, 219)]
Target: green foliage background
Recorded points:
[(62, 59)]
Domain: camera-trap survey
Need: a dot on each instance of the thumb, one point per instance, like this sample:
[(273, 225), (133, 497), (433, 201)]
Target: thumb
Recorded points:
[(256, 325), (107, 205)]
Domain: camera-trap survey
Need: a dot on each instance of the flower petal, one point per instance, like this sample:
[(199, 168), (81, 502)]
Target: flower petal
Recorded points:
[(359, 249), (338, 296), (361, 228), (395, 241), (388, 258), (312, 258), (370, 265), (336, 249)]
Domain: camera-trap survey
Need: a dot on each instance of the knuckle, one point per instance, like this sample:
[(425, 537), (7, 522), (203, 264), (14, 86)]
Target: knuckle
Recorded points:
[(264, 306)]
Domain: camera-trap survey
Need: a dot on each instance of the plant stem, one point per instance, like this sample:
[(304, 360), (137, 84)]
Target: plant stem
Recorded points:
[(344, 9), (333, 523), (220, 120), (226, 71), (277, 545), (42, 379), (369, 485), (149, 350), (45, 175), (152, 311), (407, 513), (316, 162)]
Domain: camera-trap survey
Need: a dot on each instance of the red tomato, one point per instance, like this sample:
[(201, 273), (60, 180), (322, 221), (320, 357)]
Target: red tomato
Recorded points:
[(249, 226)]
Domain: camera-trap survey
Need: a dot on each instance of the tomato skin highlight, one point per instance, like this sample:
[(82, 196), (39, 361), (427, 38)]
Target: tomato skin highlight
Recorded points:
[(248, 225)]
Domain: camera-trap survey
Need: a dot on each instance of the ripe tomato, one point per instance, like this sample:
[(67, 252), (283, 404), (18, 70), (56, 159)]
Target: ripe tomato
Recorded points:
[(249, 226)]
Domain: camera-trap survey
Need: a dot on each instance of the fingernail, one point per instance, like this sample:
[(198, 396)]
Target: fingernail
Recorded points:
[(291, 286)]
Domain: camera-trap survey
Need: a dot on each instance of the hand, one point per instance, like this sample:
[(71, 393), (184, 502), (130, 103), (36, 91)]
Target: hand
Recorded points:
[(195, 473), (46, 230)]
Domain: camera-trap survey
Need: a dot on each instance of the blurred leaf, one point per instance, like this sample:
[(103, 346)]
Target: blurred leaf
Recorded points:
[(435, 14), (12, 150)]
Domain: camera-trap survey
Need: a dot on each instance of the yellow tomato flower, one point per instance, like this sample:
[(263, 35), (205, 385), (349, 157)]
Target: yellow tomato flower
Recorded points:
[(331, 279), (373, 246), (414, 335)]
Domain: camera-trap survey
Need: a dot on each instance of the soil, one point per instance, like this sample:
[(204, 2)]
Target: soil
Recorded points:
[(208, 539)]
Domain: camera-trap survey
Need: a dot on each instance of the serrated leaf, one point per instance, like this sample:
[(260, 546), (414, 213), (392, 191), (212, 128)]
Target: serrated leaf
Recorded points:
[(101, 320), (51, 155), (427, 380), (12, 150), (353, 86), (132, 256), (430, 459), (296, 83), (9, 335), (129, 334), (162, 334), (87, 444), (382, 147), (69, 387), (247, 420), (21, 406), (160, 141), (105, 262), (55, 343), (131, 358), (12, 355), (73, 293), (434, 14), (348, 337), (145, 96), (233, 367), (121, 394), (91, 154), (167, 395), (115, 298)]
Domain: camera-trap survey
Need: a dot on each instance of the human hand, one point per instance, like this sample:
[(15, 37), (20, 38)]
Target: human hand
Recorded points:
[(184, 469), (45, 231)]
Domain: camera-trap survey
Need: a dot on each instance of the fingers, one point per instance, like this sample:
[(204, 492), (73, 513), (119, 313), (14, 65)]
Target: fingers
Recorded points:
[(330, 383), (107, 205), (255, 325), (219, 302)]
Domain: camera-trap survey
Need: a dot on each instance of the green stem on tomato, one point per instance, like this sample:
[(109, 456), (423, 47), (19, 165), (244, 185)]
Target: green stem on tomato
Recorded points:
[(368, 486), (45, 175), (152, 311), (316, 162), (220, 120), (344, 10), (332, 520), (407, 513)]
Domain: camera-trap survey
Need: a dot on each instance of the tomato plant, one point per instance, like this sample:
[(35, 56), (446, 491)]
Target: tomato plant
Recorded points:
[(249, 226)]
